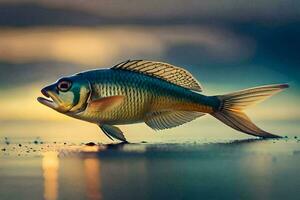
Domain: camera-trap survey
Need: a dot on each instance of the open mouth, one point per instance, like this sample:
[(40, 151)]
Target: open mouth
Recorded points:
[(48, 101)]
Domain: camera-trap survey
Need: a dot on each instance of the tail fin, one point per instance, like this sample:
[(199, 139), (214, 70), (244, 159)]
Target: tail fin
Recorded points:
[(230, 110)]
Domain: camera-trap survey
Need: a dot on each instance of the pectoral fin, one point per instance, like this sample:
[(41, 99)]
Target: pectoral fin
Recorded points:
[(113, 132), (105, 103)]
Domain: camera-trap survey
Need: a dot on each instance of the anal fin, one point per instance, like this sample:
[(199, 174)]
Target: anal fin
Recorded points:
[(169, 119)]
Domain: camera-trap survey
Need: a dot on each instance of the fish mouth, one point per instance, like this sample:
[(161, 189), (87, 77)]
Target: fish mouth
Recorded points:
[(48, 101)]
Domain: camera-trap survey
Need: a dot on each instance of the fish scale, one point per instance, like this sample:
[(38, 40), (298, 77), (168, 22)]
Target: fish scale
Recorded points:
[(134, 105)]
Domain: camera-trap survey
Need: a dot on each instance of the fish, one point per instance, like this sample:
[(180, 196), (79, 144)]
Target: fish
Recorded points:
[(158, 94)]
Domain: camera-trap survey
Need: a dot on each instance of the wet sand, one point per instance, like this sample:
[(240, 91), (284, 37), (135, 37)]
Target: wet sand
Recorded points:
[(243, 169)]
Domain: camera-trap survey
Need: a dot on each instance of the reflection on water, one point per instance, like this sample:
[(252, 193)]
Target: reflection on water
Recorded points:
[(260, 175), (93, 178), (91, 171), (50, 171), (251, 169)]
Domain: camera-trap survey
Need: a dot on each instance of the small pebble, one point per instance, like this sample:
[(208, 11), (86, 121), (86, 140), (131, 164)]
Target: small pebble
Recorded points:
[(35, 142), (90, 144), (3, 149), (20, 145)]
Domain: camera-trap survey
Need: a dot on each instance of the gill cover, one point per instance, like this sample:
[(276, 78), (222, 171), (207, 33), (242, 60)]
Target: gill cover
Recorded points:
[(83, 97)]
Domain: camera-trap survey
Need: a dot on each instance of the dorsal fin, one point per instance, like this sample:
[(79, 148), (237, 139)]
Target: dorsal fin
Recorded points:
[(167, 72)]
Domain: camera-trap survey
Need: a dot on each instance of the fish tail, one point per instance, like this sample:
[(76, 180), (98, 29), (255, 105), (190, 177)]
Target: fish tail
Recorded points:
[(230, 111)]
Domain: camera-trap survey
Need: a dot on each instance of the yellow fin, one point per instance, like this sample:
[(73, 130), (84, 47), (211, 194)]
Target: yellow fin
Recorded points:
[(165, 71), (232, 105)]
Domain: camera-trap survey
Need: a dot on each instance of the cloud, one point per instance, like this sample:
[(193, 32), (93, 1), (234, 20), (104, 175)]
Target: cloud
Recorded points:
[(102, 46), (233, 10)]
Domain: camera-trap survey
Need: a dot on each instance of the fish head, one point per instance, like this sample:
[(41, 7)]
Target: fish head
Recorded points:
[(66, 95)]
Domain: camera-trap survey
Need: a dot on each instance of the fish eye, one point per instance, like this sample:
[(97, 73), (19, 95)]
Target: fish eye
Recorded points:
[(64, 86)]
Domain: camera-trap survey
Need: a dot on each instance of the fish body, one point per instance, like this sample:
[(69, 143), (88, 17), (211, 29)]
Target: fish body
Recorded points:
[(143, 94), (159, 94)]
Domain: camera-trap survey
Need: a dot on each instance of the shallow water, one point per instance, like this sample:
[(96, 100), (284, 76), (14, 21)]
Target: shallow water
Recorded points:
[(243, 169)]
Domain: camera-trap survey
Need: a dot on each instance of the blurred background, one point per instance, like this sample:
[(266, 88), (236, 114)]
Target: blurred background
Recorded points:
[(228, 45)]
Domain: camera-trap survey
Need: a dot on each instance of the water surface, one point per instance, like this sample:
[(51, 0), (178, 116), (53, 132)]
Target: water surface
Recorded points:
[(242, 169)]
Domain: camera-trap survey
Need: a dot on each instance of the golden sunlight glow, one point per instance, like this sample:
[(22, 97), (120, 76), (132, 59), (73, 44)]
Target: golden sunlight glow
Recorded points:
[(91, 148), (50, 170), (18, 106), (75, 45), (93, 178), (100, 46)]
